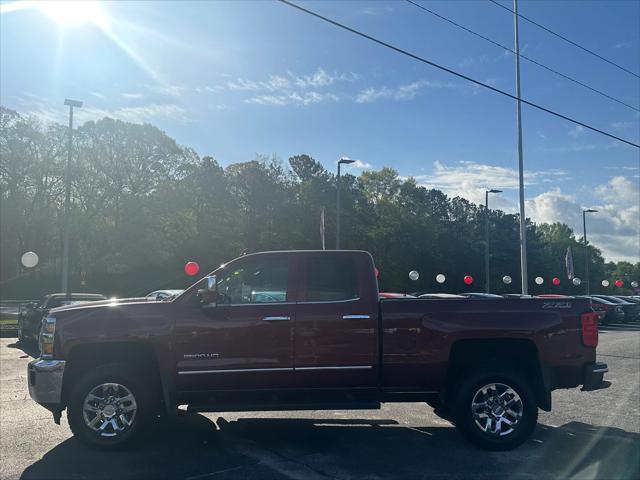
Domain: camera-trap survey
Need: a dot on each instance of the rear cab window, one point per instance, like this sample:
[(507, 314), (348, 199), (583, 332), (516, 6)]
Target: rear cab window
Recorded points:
[(331, 278)]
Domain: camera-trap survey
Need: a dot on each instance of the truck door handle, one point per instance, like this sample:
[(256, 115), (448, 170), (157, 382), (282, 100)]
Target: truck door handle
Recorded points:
[(276, 319), (355, 317)]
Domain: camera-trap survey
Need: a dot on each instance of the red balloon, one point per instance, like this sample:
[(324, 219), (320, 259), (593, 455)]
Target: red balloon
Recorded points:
[(619, 283), (468, 279), (556, 281), (191, 268)]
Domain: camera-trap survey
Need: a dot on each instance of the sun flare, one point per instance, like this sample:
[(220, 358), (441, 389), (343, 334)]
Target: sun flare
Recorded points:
[(67, 13)]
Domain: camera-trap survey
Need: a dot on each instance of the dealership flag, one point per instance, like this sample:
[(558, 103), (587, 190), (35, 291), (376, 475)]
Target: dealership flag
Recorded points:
[(568, 261), (322, 227)]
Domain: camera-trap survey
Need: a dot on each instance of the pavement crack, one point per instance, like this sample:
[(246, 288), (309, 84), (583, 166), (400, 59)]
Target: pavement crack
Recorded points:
[(618, 356)]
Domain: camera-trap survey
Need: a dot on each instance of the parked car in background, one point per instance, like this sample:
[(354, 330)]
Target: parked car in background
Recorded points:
[(30, 320), (631, 310), (164, 294), (441, 295), (480, 296), (383, 295), (628, 298), (553, 295), (611, 312)]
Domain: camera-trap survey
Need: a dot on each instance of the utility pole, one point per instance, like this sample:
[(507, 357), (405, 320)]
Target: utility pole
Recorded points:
[(586, 248), (67, 202), (523, 230)]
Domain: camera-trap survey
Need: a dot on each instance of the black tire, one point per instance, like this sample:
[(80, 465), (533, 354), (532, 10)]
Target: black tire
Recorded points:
[(21, 336), (108, 439), (505, 438)]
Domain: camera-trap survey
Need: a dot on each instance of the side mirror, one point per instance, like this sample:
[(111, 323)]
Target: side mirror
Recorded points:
[(209, 295), (212, 283)]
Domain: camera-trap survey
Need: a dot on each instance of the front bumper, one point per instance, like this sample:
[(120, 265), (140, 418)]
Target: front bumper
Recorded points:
[(45, 382), (594, 377)]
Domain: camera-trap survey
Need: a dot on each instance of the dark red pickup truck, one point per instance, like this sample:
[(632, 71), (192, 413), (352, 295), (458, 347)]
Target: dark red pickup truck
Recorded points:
[(305, 330)]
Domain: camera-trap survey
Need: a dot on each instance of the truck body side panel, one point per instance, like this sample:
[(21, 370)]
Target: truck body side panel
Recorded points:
[(418, 336)]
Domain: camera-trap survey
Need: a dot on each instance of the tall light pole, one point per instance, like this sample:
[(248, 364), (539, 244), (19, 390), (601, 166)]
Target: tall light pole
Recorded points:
[(67, 201), (586, 249), (486, 237), (345, 161), (523, 229)]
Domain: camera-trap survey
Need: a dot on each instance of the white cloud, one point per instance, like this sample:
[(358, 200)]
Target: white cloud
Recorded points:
[(360, 165), (293, 98), (576, 131), (621, 125), (132, 96), (218, 106), (623, 45), (471, 179), (401, 93), (278, 83), (374, 11), (321, 79), (243, 84), (97, 94), (140, 114), (209, 89), (615, 228), (279, 90), (169, 90)]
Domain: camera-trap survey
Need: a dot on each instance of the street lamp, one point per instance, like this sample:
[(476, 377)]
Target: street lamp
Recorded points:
[(67, 201), (586, 250), (486, 237), (345, 161)]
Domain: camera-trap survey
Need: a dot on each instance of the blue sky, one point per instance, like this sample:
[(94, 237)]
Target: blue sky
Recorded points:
[(236, 79)]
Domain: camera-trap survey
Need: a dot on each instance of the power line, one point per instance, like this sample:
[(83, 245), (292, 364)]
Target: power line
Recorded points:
[(567, 40), (567, 77), (453, 72)]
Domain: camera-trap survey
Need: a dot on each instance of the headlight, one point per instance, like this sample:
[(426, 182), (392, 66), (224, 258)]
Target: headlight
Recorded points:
[(47, 333)]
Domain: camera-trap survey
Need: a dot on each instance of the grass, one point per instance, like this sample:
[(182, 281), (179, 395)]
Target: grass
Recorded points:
[(8, 321)]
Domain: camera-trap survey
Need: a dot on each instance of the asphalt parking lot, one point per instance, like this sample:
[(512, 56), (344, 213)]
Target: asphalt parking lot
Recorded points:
[(587, 436)]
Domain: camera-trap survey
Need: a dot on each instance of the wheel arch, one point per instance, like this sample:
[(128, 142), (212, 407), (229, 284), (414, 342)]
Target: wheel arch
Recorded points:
[(135, 356), (517, 353)]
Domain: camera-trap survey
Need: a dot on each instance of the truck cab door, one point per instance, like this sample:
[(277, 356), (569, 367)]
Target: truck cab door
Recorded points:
[(336, 322), (245, 340)]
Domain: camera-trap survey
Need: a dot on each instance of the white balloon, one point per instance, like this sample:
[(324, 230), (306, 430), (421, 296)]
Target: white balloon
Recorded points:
[(506, 279), (539, 280), (30, 259), (634, 284), (576, 281), (413, 275), (440, 278), (605, 283)]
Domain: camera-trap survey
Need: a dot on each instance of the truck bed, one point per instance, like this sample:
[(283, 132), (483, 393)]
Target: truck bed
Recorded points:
[(420, 336)]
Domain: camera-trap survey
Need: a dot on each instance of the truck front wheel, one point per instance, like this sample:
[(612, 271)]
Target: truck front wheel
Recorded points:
[(108, 407), (495, 408)]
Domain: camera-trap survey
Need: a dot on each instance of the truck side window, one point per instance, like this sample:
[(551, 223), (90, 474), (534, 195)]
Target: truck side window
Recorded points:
[(331, 278), (255, 281)]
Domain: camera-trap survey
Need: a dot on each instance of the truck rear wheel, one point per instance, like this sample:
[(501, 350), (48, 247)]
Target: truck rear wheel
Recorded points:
[(109, 407), (495, 408)]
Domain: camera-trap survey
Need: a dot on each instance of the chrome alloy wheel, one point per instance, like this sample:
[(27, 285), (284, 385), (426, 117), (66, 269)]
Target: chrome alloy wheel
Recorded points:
[(109, 409), (497, 409)]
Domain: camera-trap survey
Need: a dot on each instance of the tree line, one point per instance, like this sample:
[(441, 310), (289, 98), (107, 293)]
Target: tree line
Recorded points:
[(143, 205)]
